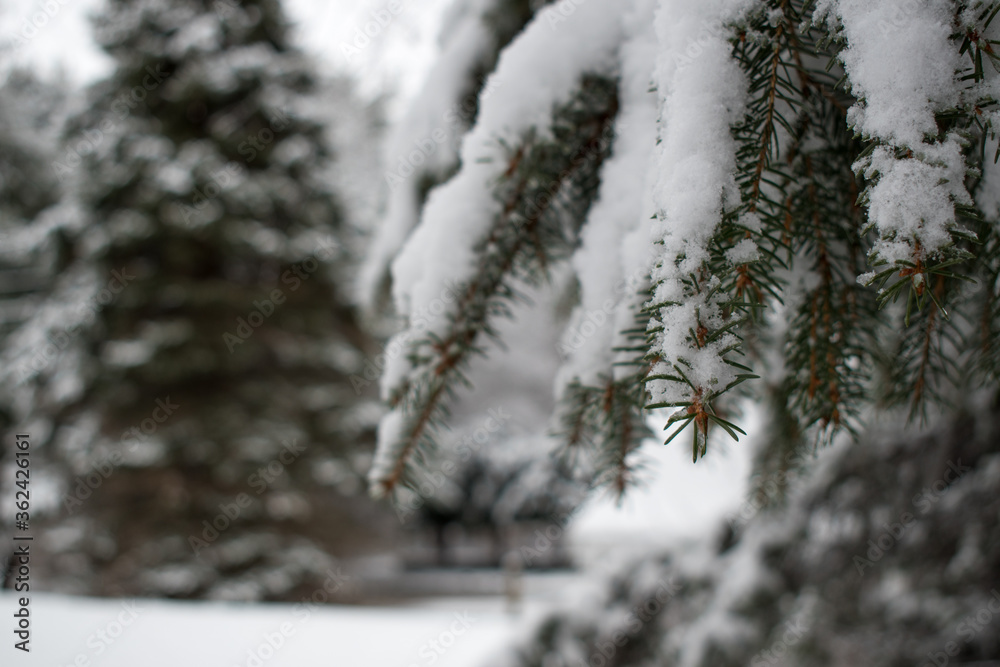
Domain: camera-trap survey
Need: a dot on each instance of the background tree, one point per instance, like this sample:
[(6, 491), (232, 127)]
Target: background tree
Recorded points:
[(30, 113), (200, 402)]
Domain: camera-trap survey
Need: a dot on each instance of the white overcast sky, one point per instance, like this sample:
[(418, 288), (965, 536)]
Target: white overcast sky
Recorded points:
[(396, 58)]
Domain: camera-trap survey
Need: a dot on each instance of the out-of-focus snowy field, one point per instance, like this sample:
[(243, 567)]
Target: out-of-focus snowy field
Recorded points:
[(447, 632)]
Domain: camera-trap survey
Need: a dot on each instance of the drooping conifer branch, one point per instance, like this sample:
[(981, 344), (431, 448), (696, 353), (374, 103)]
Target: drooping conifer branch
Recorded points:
[(545, 191)]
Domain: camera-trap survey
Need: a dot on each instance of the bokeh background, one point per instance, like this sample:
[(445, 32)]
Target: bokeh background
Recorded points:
[(192, 325)]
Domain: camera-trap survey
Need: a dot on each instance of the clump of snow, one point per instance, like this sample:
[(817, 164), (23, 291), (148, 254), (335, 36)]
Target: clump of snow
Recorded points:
[(703, 94), (460, 214), (902, 69), (901, 76), (913, 199), (743, 252), (608, 280), (425, 142)]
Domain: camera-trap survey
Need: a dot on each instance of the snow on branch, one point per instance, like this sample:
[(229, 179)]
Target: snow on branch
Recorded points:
[(529, 171), (904, 74), (704, 94)]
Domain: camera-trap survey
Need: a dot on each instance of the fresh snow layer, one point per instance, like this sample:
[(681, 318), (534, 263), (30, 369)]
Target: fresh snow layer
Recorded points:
[(904, 72), (461, 213), (424, 141), (67, 631), (439, 255), (702, 92), (608, 284), (901, 66)]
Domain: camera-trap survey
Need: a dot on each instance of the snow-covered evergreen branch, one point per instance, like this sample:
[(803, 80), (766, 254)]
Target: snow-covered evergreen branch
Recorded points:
[(762, 149)]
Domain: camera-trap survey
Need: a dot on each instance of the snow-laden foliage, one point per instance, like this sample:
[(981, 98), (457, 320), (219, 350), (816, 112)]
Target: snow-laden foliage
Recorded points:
[(738, 188), (423, 148), (848, 569), (188, 371)]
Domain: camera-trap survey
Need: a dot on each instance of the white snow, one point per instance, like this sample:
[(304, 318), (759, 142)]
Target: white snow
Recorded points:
[(460, 213), (607, 282), (903, 75), (425, 141), (901, 66), (83, 632), (702, 91), (913, 200)]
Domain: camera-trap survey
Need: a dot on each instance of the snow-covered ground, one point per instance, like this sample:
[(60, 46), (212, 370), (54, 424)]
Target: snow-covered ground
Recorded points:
[(446, 632), (82, 632), (674, 500)]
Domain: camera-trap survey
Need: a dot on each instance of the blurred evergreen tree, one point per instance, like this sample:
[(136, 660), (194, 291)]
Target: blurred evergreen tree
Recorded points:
[(30, 112), (199, 399)]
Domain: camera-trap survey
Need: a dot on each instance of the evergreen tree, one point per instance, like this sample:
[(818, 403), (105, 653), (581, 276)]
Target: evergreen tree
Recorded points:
[(30, 114), (482, 489), (201, 405), (423, 149), (745, 188), (805, 581), (790, 201)]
